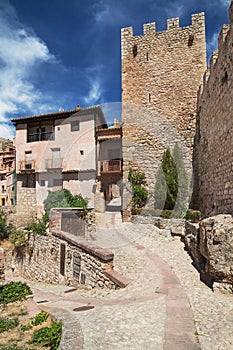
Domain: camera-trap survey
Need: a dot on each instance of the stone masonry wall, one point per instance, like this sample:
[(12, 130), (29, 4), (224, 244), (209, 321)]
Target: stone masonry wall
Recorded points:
[(26, 199), (213, 157), (2, 271), (64, 258), (41, 261), (161, 73)]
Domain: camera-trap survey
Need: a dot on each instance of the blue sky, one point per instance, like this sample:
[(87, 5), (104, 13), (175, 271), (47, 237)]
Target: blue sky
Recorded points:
[(60, 53)]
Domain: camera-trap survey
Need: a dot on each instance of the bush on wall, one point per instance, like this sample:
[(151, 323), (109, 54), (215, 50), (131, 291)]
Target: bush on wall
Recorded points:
[(140, 193)]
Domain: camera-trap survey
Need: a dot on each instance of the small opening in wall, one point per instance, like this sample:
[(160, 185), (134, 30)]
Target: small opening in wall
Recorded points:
[(225, 77), (149, 97), (147, 56), (135, 50), (191, 39), (58, 128), (82, 152)]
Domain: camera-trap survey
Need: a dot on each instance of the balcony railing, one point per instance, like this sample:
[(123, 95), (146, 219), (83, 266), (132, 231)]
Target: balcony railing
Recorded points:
[(110, 166), (27, 165), (43, 136), (55, 163)]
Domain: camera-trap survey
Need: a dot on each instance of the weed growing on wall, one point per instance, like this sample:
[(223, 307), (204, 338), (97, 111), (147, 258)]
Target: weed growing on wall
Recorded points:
[(140, 193)]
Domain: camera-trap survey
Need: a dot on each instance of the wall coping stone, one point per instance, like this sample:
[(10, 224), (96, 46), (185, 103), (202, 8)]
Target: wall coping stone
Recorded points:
[(102, 254), (117, 278)]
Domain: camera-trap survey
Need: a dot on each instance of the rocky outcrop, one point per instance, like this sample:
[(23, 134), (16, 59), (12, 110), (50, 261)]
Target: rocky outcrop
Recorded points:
[(216, 245), (211, 246)]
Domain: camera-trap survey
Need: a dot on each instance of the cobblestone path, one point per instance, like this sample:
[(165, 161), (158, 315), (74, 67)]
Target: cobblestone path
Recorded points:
[(165, 306)]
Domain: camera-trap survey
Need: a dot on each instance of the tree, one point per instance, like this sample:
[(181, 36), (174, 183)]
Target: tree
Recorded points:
[(64, 199), (183, 192), (166, 187)]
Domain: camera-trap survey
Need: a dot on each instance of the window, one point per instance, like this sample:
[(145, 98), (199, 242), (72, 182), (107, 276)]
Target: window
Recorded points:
[(114, 153), (57, 182), (74, 125), (28, 160), (149, 97), (40, 131), (62, 258), (82, 152), (42, 183)]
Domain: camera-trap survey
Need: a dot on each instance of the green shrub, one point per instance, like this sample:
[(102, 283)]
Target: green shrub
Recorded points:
[(48, 336), (18, 238), (193, 215), (40, 318), (38, 227), (14, 291), (64, 199), (26, 327), (6, 324), (4, 228), (140, 193)]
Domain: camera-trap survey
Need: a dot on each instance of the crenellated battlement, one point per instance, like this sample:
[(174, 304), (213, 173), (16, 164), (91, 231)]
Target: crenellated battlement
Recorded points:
[(198, 20)]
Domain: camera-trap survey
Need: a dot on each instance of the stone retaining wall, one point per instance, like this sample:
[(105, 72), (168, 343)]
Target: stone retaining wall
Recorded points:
[(82, 263)]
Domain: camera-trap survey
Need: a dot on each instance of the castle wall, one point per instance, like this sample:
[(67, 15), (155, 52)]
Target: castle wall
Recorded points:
[(213, 157), (161, 73)]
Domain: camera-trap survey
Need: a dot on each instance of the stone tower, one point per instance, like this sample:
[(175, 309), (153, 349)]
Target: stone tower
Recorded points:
[(161, 73)]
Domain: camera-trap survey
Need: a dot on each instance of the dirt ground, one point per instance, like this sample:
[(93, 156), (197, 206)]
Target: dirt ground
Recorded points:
[(19, 337)]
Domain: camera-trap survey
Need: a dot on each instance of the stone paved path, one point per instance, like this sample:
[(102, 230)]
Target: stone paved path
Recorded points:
[(165, 306)]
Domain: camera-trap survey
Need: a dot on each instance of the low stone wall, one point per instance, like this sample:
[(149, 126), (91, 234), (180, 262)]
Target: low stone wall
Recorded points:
[(60, 259)]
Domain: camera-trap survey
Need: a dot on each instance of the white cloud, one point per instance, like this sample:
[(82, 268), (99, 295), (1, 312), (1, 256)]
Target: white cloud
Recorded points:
[(108, 12), (175, 10), (101, 11), (225, 2), (93, 75), (212, 44), (95, 92), (7, 131), (21, 51)]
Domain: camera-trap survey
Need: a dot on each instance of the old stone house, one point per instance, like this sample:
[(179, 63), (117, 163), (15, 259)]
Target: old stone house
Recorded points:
[(63, 150)]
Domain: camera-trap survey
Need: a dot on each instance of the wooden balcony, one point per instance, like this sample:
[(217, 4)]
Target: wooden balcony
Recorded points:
[(26, 166), (110, 167)]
